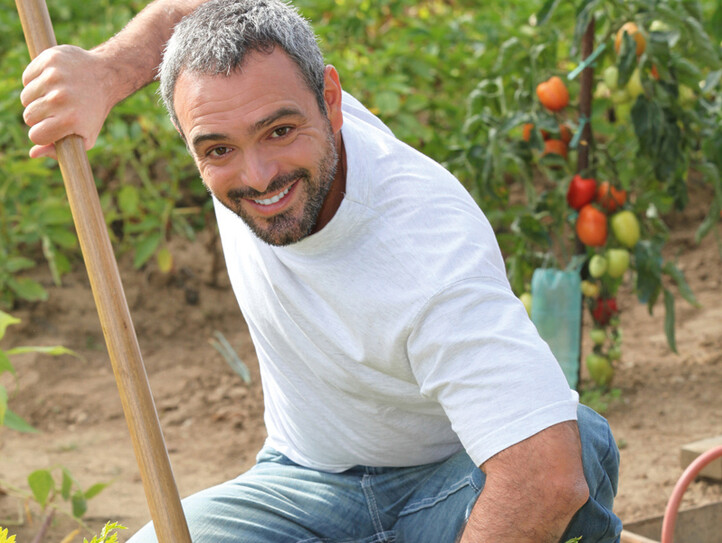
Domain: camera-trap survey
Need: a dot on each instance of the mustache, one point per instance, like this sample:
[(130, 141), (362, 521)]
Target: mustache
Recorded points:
[(278, 183)]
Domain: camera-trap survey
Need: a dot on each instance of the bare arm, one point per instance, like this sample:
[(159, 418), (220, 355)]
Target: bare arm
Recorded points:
[(532, 490), (71, 91)]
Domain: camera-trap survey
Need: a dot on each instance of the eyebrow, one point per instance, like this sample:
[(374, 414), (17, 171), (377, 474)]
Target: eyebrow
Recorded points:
[(255, 127), (273, 117)]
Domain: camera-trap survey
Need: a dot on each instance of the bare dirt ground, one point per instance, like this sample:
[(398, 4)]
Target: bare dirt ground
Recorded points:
[(212, 421)]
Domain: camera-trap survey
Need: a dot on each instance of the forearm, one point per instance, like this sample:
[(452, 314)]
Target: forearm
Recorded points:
[(133, 54), (500, 515), (532, 490)]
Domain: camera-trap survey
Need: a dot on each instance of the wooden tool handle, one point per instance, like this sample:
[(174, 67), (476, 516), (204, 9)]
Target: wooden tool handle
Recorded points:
[(140, 413)]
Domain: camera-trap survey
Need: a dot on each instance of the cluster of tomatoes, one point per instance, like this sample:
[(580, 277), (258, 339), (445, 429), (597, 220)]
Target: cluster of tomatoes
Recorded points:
[(553, 95), (601, 211)]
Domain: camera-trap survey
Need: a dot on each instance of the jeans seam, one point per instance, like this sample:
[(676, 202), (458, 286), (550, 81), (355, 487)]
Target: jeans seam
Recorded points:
[(371, 503)]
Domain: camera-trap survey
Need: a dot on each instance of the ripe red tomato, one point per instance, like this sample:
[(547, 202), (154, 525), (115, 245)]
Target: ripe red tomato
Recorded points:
[(609, 197), (581, 191), (553, 94), (592, 226), (603, 310)]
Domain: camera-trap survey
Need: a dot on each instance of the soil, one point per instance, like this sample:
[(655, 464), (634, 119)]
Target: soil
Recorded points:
[(212, 421)]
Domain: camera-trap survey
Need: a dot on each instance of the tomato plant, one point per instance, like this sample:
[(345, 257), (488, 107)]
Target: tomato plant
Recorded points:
[(656, 114)]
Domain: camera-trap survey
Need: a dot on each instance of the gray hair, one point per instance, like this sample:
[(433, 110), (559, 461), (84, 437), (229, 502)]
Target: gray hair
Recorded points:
[(216, 38)]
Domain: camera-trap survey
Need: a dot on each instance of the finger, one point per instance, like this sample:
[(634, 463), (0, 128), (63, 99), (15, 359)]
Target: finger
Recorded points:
[(36, 66), (48, 131), (38, 151)]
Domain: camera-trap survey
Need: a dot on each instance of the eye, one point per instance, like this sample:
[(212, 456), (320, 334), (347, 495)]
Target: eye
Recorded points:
[(218, 151), (281, 131)]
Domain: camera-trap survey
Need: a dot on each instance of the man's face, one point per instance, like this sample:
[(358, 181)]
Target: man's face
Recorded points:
[(262, 145)]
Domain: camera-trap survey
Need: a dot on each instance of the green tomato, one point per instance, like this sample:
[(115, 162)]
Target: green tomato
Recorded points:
[(602, 91), (615, 353), (611, 77), (590, 290), (597, 266), (634, 85), (623, 112), (625, 227), (526, 299), (600, 370), (598, 335), (621, 96), (658, 26), (617, 262), (686, 96)]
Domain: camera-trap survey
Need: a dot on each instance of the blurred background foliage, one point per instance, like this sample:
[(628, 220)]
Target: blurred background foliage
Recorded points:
[(453, 78)]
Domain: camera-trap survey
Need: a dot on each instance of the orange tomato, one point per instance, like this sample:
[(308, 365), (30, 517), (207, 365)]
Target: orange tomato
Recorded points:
[(556, 147), (553, 94), (609, 197), (591, 226), (526, 131), (654, 72), (633, 30)]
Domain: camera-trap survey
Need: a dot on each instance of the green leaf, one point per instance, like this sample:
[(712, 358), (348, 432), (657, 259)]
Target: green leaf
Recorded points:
[(648, 261), (128, 200), (55, 350), (685, 291), (669, 320), (546, 11), (5, 321), (627, 59), (17, 263), (710, 221), (704, 51), (63, 237), (28, 289), (5, 364), (57, 214), (3, 404), (41, 483), (145, 248), (94, 490), (17, 423), (67, 484), (80, 505)]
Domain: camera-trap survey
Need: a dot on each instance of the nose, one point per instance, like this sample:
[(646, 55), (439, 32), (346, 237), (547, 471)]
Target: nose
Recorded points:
[(259, 171)]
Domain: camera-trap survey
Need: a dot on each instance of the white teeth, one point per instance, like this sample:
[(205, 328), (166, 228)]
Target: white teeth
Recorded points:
[(274, 199)]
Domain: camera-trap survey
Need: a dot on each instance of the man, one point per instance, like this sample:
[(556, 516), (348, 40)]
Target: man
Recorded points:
[(407, 395)]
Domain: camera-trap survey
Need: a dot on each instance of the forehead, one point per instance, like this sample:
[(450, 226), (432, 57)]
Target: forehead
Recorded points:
[(265, 82)]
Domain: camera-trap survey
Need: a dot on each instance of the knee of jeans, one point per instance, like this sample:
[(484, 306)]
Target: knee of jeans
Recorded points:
[(600, 454)]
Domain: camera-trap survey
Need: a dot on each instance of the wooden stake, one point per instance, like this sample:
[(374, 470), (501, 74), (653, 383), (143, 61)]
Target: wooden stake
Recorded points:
[(140, 413)]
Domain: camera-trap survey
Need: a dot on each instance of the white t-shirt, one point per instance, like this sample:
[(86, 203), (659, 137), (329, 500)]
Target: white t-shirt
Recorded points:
[(391, 337)]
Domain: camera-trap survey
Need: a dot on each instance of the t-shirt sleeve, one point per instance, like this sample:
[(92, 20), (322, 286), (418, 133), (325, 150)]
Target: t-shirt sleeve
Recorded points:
[(475, 351)]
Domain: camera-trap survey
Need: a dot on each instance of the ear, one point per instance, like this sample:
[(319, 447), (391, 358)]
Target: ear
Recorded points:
[(332, 96)]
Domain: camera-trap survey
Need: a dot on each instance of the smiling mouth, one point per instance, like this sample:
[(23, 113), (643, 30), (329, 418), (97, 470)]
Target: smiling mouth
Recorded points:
[(272, 200)]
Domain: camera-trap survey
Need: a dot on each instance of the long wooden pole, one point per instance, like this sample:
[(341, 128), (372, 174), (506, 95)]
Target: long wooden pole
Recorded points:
[(140, 413)]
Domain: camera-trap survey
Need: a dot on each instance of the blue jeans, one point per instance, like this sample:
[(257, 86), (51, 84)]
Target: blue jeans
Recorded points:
[(278, 501)]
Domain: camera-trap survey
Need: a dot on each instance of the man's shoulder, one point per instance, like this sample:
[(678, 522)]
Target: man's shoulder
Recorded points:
[(354, 108)]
